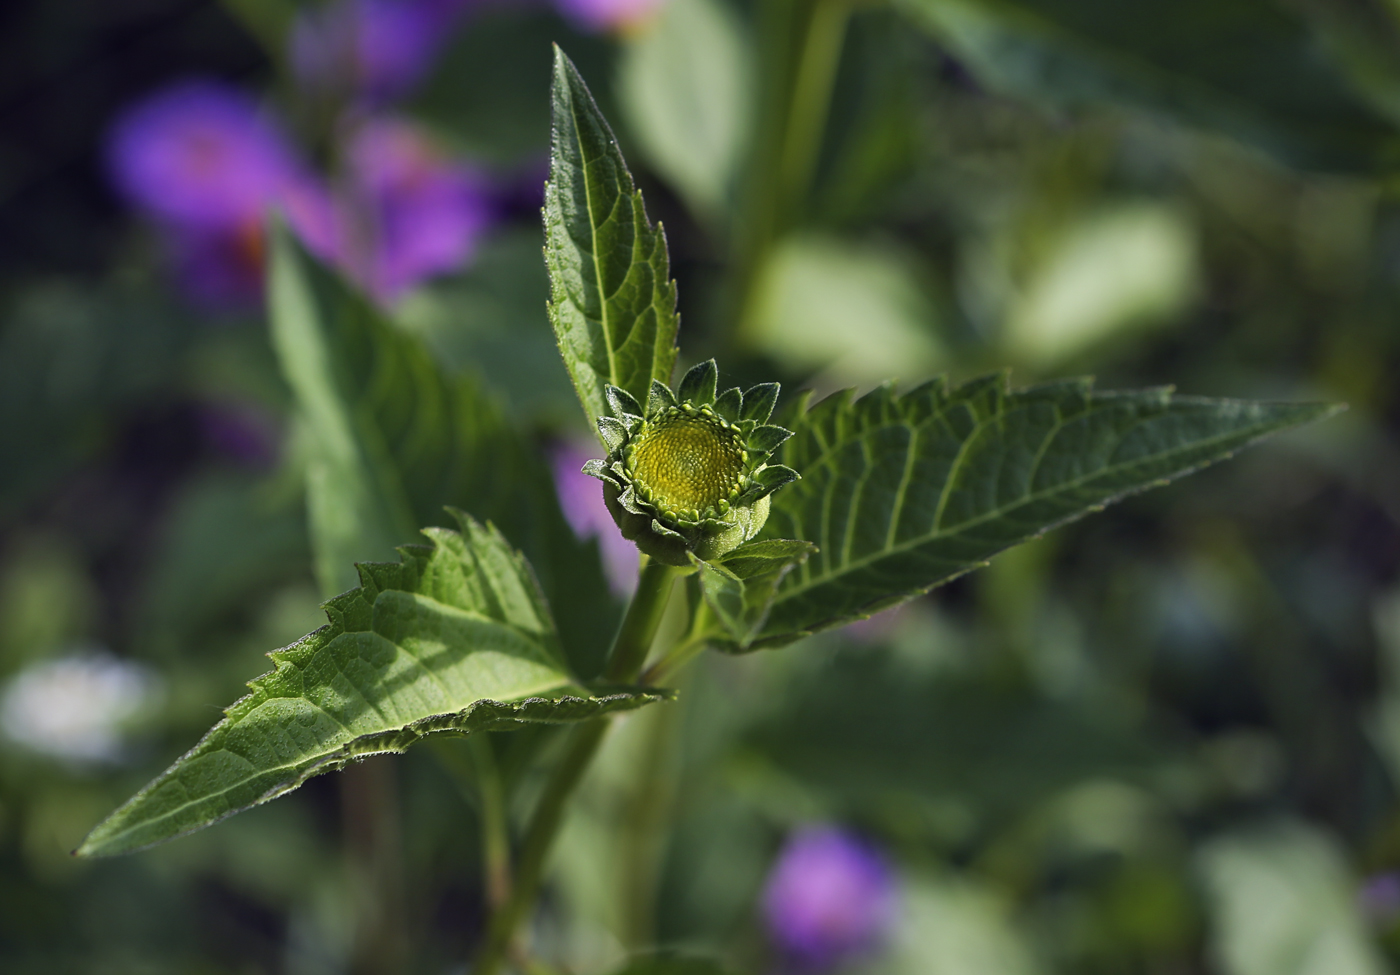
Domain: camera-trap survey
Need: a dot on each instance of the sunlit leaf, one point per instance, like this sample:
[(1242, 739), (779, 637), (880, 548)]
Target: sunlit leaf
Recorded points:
[(613, 302), (391, 438), (456, 637), (902, 493)]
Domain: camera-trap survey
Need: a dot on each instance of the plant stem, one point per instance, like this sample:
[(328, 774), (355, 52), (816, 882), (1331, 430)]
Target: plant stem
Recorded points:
[(629, 652), (495, 839)]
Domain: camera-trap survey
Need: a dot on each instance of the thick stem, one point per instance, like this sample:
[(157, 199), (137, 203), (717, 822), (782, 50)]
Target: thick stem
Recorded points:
[(629, 652)]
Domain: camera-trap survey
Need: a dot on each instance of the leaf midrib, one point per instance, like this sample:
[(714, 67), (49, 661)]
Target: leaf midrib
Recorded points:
[(315, 758), (593, 243), (865, 560)]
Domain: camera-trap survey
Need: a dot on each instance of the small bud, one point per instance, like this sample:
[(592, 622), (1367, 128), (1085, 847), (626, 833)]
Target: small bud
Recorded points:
[(674, 481)]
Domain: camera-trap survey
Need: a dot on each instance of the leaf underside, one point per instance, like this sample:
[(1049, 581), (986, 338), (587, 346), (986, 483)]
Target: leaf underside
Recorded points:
[(739, 586), (612, 301), (453, 638), (903, 493)]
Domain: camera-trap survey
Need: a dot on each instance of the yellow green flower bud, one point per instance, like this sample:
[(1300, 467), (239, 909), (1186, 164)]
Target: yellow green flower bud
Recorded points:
[(690, 472)]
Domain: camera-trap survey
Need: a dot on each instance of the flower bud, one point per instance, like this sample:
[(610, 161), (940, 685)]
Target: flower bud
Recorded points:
[(690, 472)]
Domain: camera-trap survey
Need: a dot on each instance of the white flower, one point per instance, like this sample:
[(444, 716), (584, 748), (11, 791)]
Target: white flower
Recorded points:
[(74, 707)]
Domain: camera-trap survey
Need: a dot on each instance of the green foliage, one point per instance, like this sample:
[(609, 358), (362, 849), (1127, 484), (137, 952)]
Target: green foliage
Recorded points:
[(739, 586), (613, 303), (670, 964), (455, 637), (1250, 67), (902, 493), (391, 439), (683, 87)]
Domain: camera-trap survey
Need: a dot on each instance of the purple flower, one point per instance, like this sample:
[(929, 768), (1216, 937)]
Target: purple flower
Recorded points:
[(830, 897), (1379, 897), (581, 499), (609, 16), (406, 212), (242, 431), (374, 50), (205, 163), (200, 156)]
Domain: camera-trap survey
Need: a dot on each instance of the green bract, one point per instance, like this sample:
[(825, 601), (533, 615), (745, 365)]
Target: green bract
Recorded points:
[(690, 473)]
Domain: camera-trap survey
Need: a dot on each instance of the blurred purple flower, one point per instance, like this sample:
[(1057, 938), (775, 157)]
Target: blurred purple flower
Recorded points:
[(242, 431), (581, 499), (830, 897), (201, 156), (375, 50), (205, 162), (1379, 897), (610, 16), (406, 212)]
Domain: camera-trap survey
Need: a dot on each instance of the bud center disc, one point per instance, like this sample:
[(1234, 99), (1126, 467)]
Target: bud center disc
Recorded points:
[(687, 462)]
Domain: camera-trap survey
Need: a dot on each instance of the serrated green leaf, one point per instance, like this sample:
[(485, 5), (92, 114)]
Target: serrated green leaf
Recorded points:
[(455, 637), (740, 585), (392, 439), (1253, 68), (902, 493), (613, 303)]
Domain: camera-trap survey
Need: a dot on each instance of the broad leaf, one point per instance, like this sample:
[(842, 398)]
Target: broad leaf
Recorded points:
[(739, 586), (613, 304), (902, 493), (455, 637), (1254, 68), (391, 439)]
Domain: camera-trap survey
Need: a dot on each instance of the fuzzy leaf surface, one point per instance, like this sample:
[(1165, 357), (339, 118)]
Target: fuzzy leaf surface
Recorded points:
[(612, 301), (902, 493), (392, 438), (740, 585), (455, 637)]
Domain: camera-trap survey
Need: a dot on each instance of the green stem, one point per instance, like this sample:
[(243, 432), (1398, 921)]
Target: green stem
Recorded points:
[(629, 652), (495, 839)]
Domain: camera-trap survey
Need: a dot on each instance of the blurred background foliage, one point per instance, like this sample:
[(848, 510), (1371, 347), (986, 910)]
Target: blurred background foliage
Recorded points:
[(1165, 740)]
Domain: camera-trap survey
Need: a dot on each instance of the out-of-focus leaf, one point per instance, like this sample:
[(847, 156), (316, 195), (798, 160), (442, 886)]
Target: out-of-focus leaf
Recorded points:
[(613, 303), (740, 585), (868, 732), (951, 926), (1252, 68), (379, 409), (71, 359), (668, 964), (856, 311), (901, 493), (488, 93), (454, 637), (1283, 904), (685, 85), (490, 322), (1134, 265), (221, 536), (358, 507)]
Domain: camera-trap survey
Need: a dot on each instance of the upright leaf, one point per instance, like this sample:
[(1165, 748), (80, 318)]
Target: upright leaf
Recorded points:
[(358, 508), (454, 637), (392, 439), (613, 304), (902, 493)]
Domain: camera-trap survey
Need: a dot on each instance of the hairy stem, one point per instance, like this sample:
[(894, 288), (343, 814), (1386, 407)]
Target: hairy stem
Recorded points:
[(629, 652)]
